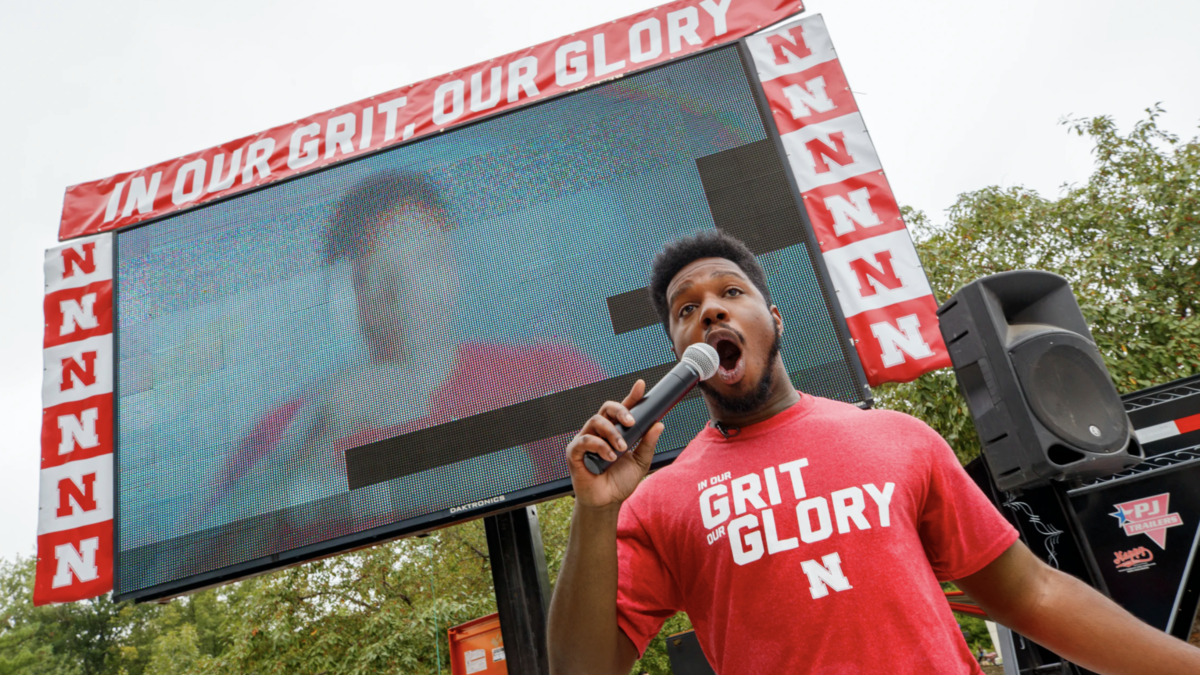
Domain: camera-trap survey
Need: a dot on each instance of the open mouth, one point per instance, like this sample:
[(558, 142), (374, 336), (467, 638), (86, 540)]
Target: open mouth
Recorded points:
[(733, 366)]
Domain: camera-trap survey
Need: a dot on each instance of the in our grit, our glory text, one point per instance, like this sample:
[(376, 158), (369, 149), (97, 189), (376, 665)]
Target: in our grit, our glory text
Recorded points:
[(743, 511)]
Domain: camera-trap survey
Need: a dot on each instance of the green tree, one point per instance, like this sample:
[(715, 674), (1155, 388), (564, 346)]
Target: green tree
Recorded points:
[(83, 638), (1128, 240), (380, 610), (23, 648)]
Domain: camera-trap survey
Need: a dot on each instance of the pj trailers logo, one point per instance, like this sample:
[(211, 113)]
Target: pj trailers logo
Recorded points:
[(1148, 516)]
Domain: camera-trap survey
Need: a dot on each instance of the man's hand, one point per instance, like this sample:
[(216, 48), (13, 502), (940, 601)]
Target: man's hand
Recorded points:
[(1073, 620), (601, 436), (582, 631)]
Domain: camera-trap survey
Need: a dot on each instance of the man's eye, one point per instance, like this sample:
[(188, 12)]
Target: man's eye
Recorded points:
[(686, 309), (734, 291)]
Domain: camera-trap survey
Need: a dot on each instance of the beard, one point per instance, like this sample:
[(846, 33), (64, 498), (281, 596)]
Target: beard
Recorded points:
[(753, 400)]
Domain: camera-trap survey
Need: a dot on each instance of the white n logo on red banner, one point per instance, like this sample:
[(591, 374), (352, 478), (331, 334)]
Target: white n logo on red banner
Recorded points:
[(78, 314), (76, 562), (811, 97), (79, 430), (872, 263), (853, 209), (75, 497), (903, 338)]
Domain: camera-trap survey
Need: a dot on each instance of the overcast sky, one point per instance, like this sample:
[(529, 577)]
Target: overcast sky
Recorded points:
[(957, 96)]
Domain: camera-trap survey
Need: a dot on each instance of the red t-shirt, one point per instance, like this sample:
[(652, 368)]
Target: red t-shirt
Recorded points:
[(812, 542)]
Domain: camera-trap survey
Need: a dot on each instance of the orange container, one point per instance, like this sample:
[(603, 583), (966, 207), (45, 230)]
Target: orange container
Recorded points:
[(477, 647)]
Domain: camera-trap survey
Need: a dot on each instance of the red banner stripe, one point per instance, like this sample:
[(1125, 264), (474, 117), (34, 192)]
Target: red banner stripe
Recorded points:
[(75, 314), (586, 57), (74, 564), (809, 97), (74, 556), (900, 342), (872, 262), (82, 428), (855, 209)]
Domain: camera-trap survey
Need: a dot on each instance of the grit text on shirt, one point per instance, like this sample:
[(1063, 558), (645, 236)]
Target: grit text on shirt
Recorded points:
[(744, 511)]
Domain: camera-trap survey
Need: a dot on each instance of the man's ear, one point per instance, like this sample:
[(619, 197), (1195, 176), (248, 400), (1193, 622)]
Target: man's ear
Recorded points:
[(778, 320)]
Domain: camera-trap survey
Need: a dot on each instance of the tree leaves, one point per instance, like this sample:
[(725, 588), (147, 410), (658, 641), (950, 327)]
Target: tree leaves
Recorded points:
[(1128, 240)]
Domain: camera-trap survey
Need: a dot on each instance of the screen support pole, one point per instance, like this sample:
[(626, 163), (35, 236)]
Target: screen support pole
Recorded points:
[(514, 541)]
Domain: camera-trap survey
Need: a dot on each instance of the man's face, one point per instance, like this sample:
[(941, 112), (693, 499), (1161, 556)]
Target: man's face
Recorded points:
[(406, 282), (712, 300)]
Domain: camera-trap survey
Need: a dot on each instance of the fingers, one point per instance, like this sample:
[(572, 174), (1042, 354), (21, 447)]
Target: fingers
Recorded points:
[(600, 433), (644, 452), (602, 426), (584, 443), (617, 413), (635, 394)]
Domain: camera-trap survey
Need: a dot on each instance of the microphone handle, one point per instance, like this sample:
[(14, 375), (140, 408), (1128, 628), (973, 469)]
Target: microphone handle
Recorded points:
[(649, 410)]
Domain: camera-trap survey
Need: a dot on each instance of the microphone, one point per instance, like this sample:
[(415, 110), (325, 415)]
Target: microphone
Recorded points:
[(699, 362)]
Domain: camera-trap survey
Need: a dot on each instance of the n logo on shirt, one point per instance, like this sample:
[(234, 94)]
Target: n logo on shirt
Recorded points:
[(825, 575)]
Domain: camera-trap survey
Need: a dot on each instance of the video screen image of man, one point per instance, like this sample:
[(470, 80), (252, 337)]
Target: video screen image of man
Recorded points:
[(392, 228), (390, 298)]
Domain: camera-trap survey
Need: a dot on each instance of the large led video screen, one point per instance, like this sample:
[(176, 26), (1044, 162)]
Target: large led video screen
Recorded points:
[(413, 337)]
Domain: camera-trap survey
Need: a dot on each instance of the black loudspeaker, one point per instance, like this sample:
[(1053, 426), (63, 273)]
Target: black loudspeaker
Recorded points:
[(1044, 406), (685, 655)]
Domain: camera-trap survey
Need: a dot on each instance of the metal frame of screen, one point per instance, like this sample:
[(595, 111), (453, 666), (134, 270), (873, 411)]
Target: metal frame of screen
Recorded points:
[(499, 503)]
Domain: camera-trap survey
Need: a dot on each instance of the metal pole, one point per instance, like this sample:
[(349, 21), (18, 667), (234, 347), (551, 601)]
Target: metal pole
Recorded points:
[(522, 588), (437, 639)]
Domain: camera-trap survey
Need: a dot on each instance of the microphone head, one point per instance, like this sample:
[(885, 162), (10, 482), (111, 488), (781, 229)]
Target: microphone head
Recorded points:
[(702, 358)]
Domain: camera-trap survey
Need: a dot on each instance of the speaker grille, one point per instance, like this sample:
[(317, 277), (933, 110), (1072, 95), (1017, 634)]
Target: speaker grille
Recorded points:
[(1068, 390)]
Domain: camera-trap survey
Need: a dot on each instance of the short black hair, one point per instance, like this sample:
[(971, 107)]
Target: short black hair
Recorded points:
[(355, 213), (704, 244)]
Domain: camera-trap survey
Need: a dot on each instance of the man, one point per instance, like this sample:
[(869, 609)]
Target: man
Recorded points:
[(395, 231), (801, 535)]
